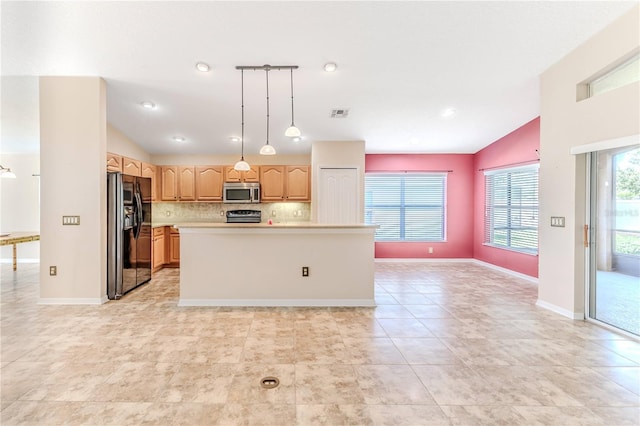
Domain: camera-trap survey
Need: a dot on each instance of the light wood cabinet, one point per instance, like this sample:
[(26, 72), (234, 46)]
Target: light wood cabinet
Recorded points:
[(251, 175), (285, 183), (272, 180), (168, 183), (144, 249), (297, 183), (151, 171), (209, 180), (158, 248), (114, 162), (177, 183), (173, 248), (186, 184), (131, 167)]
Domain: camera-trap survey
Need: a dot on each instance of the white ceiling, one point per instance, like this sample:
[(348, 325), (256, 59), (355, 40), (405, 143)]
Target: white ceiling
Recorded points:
[(399, 65)]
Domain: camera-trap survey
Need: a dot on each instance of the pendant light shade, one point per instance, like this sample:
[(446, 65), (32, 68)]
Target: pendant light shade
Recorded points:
[(242, 166), (266, 148), (292, 131)]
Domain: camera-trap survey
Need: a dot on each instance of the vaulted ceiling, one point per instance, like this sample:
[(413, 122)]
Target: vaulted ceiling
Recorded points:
[(399, 66)]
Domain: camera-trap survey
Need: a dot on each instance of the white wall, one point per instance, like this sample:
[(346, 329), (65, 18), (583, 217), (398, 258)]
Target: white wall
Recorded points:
[(20, 203), (336, 154), (119, 143), (566, 123), (72, 152), (209, 159)]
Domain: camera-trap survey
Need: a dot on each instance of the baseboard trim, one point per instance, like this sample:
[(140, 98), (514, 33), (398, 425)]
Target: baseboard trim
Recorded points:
[(70, 301), (506, 271), (279, 302), (422, 260), (561, 311), (459, 260)]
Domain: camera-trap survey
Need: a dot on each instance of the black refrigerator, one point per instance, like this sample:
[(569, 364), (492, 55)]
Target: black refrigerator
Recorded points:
[(128, 233)]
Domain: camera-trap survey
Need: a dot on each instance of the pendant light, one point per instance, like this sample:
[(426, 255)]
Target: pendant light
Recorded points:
[(292, 131), (242, 166), (266, 148)]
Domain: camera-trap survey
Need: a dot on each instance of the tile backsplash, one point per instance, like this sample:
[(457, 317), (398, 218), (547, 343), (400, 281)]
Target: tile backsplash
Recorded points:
[(215, 212)]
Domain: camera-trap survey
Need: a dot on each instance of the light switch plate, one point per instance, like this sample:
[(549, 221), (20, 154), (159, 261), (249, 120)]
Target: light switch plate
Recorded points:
[(557, 221), (71, 220)]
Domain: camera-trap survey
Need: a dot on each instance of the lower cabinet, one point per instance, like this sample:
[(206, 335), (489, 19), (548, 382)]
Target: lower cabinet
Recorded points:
[(173, 248), (166, 248), (158, 248)]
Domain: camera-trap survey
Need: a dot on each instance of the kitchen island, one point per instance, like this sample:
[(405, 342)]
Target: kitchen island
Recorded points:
[(225, 264)]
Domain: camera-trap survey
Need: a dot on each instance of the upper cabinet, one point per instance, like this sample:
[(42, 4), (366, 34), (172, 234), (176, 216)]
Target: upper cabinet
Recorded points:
[(151, 171), (114, 162), (272, 183), (298, 183), (177, 183), (209, 180), (131, 167), (232, 175), (285, 183)]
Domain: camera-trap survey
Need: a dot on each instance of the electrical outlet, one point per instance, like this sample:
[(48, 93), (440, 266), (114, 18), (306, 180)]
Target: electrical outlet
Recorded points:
[(53, 271), (430, 250), (305, 271), (222, 213)]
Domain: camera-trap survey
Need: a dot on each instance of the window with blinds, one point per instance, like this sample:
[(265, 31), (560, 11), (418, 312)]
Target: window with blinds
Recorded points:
[(407, 207), (511, 208)]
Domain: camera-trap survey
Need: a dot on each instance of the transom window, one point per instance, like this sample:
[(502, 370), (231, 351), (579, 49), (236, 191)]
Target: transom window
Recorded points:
[(407, 207), (511, 208)]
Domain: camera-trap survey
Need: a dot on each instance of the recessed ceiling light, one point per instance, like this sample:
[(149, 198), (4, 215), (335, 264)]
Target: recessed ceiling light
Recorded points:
[(448, 113), (234, 139), (330, 66), (179, 138), (203, 67), (148, 104)]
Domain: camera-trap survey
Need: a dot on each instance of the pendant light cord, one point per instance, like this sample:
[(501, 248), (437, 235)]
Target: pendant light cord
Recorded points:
[(291, 96), (242, 108), (267, 74)]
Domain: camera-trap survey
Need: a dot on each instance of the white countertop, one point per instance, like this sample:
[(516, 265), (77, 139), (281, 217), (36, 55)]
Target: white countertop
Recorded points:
[(298, 225)]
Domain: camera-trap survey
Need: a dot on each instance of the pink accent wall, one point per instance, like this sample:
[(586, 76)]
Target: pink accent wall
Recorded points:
[(465, 199), (517, 147), (459, 199)]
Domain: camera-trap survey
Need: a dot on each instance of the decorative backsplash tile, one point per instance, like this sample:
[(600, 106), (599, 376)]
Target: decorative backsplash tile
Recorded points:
[(215, 212)]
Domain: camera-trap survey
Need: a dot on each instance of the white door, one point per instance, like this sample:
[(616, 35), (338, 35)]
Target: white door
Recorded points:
[(339, 198)]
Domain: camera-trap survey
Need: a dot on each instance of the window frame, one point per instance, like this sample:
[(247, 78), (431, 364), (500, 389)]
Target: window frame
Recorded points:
[(402, 207), (489, 220)]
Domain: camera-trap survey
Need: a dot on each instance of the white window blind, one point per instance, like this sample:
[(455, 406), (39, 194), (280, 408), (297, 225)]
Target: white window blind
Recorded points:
[(406, 207), (511, 208)]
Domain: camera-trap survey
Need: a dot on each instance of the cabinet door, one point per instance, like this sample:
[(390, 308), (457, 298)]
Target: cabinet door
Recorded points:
[(232, 175), (158, 251), (114, 162), (298, 186), (151, 171), (131, 167), (186, 184), (169, 183), (252, 175), (174, 248), (272, 183), (209, 181)]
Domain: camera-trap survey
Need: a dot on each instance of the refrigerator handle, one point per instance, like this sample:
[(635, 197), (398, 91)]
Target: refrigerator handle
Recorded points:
[(139, 215)]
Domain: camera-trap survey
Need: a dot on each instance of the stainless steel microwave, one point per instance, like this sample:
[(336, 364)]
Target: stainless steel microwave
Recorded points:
[(241, 193)]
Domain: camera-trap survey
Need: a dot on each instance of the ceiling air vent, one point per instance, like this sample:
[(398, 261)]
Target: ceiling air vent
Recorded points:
[(339, 113)]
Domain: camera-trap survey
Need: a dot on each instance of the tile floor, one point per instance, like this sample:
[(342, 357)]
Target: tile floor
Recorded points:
[(448, 344)]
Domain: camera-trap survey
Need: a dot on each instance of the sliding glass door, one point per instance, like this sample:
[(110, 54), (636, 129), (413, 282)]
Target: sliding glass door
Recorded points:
[(614, 238)]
